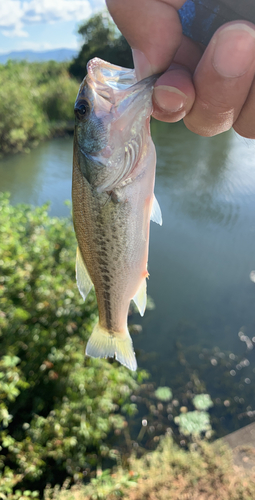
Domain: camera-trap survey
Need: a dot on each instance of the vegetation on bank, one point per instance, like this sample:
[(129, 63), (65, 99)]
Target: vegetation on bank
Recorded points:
[(169, 473), (57, 410), (36, 102)]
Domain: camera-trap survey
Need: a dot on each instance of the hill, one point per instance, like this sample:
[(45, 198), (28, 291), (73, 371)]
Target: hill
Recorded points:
[(58, 55)]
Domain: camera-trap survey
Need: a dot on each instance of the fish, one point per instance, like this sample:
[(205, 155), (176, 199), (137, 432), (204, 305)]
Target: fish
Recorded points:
[(114, 162)]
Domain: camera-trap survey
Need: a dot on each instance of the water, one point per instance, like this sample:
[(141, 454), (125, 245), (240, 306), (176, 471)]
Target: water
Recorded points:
[(43, 175), (200, 259)]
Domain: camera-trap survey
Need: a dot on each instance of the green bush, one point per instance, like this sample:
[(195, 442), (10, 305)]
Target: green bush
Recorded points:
[(22, 120), (57, 409), (33, 96), (58, 97)]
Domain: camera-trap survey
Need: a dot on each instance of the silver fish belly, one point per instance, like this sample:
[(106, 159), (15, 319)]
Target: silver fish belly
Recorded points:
[(113, 200)]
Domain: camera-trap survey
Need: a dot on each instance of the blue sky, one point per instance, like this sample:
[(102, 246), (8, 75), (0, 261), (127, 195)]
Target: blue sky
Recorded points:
[(43, 24)]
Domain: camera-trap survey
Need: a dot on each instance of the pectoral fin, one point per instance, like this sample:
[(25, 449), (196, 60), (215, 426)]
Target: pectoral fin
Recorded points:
[(140, 298), (156, 215), (84, 282)]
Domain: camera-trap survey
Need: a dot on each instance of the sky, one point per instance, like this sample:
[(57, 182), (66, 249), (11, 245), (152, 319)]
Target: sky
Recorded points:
[(43, 24)]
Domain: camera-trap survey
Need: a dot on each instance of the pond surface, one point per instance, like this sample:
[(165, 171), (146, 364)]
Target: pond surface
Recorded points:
[(200, 259)]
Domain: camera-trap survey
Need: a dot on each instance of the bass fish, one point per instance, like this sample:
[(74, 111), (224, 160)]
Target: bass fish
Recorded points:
[(114, 163)]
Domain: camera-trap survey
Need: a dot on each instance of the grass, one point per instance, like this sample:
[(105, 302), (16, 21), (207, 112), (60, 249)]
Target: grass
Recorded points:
[(206, 472)]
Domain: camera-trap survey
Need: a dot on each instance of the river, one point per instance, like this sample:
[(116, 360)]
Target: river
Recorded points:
[(200, 259)]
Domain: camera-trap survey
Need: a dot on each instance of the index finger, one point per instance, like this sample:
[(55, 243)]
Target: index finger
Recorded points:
[(153, 30)]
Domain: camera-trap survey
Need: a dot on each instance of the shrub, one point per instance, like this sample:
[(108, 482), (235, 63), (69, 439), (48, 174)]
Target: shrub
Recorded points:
[(22, 120), (58, 98), (33, 96)]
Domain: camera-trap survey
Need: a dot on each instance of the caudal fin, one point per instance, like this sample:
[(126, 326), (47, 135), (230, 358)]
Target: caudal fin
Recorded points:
[(102, 344)]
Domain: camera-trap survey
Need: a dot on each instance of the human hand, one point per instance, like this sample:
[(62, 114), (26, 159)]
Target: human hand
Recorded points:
[(211, 88)]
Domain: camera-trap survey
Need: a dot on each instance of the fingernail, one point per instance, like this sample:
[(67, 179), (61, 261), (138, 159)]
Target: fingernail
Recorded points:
[(232, 55), (169, 98), (143, 67)]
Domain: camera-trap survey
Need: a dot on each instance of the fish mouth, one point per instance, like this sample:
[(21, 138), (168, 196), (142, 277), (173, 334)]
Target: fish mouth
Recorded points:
[(112, 82), (102, 73)]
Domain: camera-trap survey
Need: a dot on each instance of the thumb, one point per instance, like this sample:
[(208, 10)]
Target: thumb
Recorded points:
[(153, 30)]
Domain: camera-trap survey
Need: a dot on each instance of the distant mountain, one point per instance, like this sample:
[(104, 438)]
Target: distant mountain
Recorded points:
[(58, 55)]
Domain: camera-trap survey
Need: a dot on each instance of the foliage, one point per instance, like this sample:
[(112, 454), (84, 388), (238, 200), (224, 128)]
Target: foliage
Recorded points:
[(106, 483), (101, 39), (33, 97), (170, 473), (202, 402), (193, 422), (164, 393), (57, 410)]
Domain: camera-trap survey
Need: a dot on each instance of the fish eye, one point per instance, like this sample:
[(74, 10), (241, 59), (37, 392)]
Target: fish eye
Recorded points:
[(82, 109)]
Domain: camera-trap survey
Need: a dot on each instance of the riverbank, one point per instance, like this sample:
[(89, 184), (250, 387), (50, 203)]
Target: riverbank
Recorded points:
[(205, 472), (62, 128)]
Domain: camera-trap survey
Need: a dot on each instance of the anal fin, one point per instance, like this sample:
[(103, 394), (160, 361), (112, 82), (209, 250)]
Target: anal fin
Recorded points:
[(156, 215), (140, 298), (83, 279)]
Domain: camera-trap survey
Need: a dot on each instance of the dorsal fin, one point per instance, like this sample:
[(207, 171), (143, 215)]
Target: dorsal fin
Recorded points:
[(83, 279)]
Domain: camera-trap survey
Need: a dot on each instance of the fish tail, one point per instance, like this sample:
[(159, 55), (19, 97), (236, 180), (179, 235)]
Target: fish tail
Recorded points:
[(103, 344)]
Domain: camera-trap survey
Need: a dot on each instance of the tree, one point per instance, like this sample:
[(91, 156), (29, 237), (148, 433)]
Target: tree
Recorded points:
[(101, 39)]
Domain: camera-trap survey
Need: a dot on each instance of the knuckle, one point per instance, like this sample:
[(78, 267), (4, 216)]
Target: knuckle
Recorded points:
[(214, 104)]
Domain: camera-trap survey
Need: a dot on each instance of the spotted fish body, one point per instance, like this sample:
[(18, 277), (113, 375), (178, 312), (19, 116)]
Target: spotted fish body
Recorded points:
[(113, 200)]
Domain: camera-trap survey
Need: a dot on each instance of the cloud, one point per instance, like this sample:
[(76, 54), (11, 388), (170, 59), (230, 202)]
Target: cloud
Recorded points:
[(11, 18), (16, 14), (45, 11)]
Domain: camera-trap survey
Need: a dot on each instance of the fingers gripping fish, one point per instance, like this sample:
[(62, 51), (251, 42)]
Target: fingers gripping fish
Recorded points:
[(114, 164)]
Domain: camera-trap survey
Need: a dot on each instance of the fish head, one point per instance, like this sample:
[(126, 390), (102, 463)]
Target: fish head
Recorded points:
[(112, 112)]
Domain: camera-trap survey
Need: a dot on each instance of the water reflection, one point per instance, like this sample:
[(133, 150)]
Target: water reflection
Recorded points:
[(204, 176)]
